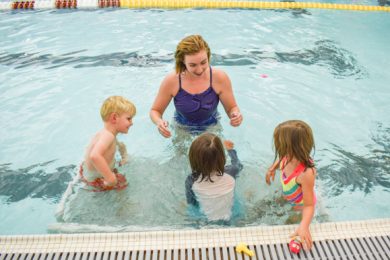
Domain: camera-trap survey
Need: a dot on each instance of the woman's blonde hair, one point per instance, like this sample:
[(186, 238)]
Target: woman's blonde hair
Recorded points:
[(188, 46), (294, 138), (207, 155), (116, 104)]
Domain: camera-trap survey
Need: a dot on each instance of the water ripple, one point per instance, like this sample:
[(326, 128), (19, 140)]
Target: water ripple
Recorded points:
[(340, 62), (34, 181), (359, 172)]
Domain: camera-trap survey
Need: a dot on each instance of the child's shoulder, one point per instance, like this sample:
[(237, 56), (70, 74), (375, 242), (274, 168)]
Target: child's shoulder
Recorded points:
[(308, 175), (310, 171), (105, 136)]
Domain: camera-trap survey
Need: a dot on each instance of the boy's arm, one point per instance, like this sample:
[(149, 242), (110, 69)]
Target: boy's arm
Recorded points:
[(98, 160), (236, 166), (307, 180), (271, 172), (123, 152), (190, 195)]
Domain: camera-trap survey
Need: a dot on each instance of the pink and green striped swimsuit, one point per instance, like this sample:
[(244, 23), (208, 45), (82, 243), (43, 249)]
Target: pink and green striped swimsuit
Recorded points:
[(292, 191)]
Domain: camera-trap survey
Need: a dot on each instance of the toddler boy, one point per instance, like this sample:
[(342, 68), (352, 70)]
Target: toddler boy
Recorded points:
[(98, 169)]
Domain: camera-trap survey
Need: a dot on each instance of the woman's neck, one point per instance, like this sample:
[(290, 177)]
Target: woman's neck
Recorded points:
[(193, 78)]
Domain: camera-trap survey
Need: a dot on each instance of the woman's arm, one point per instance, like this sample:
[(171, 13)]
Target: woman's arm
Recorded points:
[(161, 102), (223, 87)]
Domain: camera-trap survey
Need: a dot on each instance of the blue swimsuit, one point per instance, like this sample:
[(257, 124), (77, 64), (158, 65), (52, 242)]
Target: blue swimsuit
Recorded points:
[(198, 110)]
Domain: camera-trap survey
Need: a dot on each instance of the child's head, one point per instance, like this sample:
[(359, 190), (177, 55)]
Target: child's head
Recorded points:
[(294, 138), (207, 155), (118, 105)]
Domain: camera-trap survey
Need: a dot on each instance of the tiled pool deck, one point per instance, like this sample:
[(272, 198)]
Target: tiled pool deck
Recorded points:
[(355, 240)]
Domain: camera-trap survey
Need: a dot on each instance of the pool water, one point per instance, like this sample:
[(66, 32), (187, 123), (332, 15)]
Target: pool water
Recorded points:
[(328, 68)]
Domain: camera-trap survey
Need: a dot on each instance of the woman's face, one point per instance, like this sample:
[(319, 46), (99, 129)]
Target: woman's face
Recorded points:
[(196, 64)]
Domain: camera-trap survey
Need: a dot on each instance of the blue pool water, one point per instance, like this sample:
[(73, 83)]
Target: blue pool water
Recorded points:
[(329, 68)]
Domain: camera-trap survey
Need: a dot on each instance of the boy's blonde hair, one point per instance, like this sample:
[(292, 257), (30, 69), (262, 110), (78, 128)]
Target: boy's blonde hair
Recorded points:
[(188, 46), (116, 104), (207, 155), (294, 138)]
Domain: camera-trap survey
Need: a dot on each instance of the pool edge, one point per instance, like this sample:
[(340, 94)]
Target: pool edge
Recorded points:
[(179, 239)]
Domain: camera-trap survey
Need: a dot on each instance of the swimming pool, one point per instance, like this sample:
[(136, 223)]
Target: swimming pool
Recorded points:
[(326, 67)]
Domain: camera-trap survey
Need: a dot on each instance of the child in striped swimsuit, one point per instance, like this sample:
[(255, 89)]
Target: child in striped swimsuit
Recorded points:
[(293, 141)]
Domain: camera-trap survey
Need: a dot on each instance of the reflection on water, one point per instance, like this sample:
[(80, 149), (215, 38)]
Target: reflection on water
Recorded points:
[(183, 136), (383, 2), (116, 59), (359, 172), (325, 53), (296, 12), (34, 181)]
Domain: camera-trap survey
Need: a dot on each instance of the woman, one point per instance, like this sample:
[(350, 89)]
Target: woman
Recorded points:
[(196, 89)]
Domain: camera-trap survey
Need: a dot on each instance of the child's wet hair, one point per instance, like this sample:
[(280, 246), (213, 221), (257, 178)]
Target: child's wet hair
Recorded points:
[(207, 155), (294, 138), (117, 104)]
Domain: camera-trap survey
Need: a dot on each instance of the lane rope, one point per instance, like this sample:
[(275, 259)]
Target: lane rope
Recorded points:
[(181, 4)]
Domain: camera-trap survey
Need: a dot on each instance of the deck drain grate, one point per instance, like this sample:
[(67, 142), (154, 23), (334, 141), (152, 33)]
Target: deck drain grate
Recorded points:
[(355, 248)]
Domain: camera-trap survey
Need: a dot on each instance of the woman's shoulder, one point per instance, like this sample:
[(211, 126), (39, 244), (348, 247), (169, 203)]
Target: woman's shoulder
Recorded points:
[(171, 77), (219, 74), (169, 82), (220, 80)]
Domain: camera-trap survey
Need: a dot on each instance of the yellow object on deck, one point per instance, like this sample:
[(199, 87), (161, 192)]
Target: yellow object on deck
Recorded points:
[(243, 248)]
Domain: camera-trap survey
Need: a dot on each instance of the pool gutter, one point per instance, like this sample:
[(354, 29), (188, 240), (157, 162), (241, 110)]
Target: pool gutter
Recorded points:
[(369, 239)]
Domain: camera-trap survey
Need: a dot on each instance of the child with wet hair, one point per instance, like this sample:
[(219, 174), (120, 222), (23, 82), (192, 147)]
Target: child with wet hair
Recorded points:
[(211, 184), (294, 142), (98, 169)]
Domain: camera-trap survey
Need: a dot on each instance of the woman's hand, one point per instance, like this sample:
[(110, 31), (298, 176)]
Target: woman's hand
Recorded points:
[(235, 118), (162, 127)]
